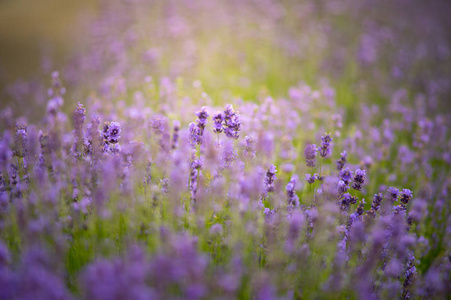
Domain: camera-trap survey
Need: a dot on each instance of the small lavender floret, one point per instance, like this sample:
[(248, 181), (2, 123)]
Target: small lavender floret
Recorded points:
[(310, 153)]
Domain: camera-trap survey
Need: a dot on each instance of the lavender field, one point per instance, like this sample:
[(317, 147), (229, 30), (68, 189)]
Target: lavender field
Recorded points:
[(239, 149)]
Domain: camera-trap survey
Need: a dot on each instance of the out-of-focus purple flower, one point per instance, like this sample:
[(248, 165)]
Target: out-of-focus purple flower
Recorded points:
[(293, 199), (249, 144), (270, 177), (79, 116), (393, 193), (194, 134), (359, 179), (324, 150), (195, 167), (175, 134), (342, 161), (21, 141), (216, 229), (342, 187), (310, 153), (311, 178), (228, 154)]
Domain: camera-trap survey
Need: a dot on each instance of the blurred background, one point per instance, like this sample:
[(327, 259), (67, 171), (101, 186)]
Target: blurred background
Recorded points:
[(32, 30), (365, 49)]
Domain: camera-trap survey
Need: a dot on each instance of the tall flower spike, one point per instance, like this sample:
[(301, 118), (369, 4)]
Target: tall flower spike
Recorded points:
[(324, 150), (310, 153)]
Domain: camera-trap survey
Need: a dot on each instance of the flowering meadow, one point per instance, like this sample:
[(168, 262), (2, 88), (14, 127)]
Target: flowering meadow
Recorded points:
[(243, 149)]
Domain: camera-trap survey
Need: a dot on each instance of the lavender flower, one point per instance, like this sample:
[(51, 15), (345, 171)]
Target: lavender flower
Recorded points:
[(342, 161), (393, 194), (347, 200), (359, 179), (232, 123), (324, 150), (269, 179), (21, 141), (175, 134), (342, 187), (375, 205), (195, 167), (195, 134), (249, 143), (218, 118), (406, 196), (111, 136), (293, 199), (346, 175), (310, 153), (311, 178), (202, 116)]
